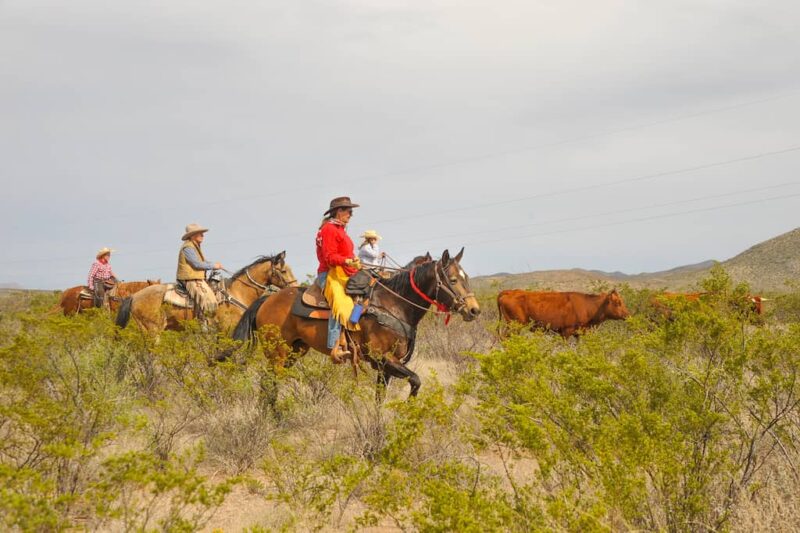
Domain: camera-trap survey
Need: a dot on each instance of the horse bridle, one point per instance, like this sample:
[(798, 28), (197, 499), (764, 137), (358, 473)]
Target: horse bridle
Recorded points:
[(254, 285), (457, 302)]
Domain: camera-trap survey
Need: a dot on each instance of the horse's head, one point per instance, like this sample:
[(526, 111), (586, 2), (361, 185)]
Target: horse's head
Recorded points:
[(454, 284), (266, 271), (281, 274)]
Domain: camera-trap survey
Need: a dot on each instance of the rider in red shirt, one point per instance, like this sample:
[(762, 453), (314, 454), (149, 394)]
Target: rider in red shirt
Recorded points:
[(337, 262)]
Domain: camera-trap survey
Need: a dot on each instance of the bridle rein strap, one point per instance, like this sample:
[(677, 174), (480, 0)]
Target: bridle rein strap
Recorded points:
[(440, 307), (249, 283)]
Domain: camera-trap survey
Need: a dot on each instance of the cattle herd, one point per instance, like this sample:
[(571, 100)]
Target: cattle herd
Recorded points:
[(567, 313)]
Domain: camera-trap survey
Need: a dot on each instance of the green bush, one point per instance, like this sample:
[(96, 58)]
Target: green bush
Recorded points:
[(651, 426)]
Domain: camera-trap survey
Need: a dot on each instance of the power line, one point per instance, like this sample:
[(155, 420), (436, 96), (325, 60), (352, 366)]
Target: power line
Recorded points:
[(629, 221), (585, 188), (607, 213), (550, 194), (479, 157)]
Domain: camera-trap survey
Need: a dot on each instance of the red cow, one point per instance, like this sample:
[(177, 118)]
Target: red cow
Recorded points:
[(563, 312), (660, 300)]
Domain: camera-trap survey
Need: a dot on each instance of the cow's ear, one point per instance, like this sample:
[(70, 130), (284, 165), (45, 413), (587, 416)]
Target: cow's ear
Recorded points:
[(445, 257), (459, 255)]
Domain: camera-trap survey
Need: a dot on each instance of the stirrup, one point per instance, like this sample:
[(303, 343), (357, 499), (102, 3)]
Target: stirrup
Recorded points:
[(339, 354)]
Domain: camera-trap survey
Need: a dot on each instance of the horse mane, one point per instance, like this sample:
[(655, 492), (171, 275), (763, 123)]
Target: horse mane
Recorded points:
[(260, 259), (400, 282)]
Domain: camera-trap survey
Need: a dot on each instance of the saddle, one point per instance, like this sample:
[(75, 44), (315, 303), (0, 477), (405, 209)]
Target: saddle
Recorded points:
[(311, 302), (86, 294), (305, 310), (313, 297)]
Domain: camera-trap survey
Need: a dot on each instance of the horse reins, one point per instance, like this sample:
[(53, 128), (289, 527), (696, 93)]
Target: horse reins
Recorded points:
[(441, 308), (253, 284)]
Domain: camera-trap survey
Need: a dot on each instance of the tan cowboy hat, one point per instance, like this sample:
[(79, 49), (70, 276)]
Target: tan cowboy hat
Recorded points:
[(102, 252), (193, 229), (370, 234), (341, 201)]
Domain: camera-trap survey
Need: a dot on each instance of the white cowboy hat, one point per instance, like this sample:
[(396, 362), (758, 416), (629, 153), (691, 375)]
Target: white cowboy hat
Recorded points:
[(102, 252), (370, 234), (193, 229)]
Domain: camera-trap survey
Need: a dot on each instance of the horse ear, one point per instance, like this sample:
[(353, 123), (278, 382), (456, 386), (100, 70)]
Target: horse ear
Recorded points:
[(281, 256), (445, 257), (428, 256), (458, 256)]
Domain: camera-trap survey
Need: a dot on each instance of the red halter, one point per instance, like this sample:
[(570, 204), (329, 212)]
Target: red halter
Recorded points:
[(440, 307)]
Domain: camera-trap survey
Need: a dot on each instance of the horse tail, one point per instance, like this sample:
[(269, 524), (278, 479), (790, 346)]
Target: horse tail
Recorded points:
[(246, 328), (124, 313)]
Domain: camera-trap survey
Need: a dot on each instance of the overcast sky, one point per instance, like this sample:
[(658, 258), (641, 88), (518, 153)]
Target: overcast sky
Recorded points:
[(632, 136)]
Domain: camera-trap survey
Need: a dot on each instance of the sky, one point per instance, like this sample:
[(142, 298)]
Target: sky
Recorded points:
[(622, 136)]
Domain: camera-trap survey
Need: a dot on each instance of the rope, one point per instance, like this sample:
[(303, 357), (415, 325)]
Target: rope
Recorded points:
[(383, 267)]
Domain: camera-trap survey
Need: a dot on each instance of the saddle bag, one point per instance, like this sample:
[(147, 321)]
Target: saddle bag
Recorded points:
[(359, 284)]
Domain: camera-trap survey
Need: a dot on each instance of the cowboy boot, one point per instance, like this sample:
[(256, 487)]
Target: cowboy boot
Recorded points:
[(340, 352)]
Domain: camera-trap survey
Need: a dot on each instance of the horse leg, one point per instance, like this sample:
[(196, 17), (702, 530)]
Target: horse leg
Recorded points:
[(399, 370), (381, 385)]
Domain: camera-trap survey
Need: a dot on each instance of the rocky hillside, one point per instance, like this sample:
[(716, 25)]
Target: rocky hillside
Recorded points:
[(766, 266)]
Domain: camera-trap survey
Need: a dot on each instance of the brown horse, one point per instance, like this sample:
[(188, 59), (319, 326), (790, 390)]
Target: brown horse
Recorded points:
[(72, 302), (152, 314), (388, 327)]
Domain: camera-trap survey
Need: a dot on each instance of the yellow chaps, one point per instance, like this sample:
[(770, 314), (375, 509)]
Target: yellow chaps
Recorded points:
[(341, 304)]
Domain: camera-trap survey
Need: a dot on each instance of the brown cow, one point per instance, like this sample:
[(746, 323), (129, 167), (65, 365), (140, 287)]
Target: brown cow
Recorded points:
[(563, 312), (661, 300)]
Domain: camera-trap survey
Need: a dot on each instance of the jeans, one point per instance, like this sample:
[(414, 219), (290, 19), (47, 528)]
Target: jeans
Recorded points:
[(334, 327)]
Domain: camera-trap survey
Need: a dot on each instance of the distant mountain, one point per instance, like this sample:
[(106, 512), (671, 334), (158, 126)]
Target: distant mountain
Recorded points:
[(766, 267), (770, 264)]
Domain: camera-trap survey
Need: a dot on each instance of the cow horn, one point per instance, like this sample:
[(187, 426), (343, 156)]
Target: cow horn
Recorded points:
[(766, 299)]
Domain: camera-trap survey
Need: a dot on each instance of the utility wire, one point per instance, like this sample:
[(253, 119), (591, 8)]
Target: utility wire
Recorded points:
[(570, 230), (473, 159), (550, 194), (633, 220), (607, 213)]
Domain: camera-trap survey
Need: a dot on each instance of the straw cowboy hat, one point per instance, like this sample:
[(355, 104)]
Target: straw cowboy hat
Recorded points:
[(370, 234), (102, 252), (193, 229), (342, 201)]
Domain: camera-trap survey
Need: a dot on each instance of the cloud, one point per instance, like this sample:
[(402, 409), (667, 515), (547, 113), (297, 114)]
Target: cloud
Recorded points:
[(124, 122)]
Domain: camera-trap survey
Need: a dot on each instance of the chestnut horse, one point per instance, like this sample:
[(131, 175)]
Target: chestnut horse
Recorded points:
[(152, 314), (71, 301), (388, 327)]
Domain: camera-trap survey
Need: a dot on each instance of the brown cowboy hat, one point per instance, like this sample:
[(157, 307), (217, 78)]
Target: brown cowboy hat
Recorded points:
[(342, 201), (193, 229)]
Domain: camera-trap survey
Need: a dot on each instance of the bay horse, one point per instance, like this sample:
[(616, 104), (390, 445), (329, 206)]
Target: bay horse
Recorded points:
[(72, 302), (388, 326), (152, 314)]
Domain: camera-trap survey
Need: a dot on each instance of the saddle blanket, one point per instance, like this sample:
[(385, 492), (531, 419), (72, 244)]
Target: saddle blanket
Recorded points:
[(178, 299)]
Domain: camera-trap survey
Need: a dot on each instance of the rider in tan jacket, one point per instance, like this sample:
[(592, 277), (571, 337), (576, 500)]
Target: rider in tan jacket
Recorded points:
[(192, 266)]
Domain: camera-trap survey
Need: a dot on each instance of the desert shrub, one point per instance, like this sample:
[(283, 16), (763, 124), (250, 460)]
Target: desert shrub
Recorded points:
[(137, 490), (656, 427), (786, 306), (77, 414)]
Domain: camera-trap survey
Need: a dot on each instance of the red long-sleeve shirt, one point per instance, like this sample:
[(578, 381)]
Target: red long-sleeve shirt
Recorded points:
[(334, 247)]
